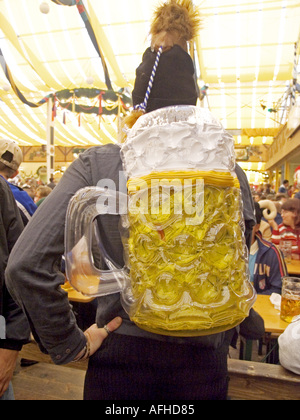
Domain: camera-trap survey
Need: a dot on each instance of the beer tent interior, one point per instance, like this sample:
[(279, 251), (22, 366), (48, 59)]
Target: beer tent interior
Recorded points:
[(83, 54)]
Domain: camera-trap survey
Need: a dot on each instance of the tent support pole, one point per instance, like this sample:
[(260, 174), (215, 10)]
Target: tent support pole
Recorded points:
[(50, 139)]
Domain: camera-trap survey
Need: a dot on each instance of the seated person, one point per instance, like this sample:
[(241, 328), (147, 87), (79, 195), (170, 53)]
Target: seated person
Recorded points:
[(289, 229), (266, 261)]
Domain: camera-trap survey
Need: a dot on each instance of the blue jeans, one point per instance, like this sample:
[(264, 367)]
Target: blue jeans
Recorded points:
[(8, 395)]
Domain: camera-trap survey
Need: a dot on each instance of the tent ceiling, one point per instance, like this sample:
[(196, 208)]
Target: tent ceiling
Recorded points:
[(244, 53)]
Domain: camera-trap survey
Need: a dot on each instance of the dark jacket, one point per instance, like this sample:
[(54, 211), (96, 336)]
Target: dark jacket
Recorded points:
[(269, 268), (11, 226), (34, 275)]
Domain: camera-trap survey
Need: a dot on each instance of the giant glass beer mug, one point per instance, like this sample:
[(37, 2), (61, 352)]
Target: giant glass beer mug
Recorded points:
[(186, 261)]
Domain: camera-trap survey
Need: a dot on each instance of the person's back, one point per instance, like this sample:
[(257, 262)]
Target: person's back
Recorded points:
[(284, 186)]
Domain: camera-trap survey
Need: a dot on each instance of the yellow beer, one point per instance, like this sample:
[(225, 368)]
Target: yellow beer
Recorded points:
[(290, 298)]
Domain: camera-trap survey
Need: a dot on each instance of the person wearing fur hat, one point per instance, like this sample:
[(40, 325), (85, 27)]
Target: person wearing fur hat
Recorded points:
[(125, 362)]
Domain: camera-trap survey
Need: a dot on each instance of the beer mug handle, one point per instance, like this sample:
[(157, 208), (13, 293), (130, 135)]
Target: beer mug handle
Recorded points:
[(81, 236)]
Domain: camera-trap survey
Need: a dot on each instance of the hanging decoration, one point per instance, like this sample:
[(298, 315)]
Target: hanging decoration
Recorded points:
[(66, 94), (105, 102), (9, 77), (85, 17), (75, 107)]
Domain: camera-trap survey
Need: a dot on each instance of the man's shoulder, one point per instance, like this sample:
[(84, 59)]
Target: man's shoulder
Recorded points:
[(100, 160), (102, 150)]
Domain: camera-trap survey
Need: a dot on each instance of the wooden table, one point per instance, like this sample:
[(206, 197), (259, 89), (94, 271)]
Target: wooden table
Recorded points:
[(293, 267), (271, 316)]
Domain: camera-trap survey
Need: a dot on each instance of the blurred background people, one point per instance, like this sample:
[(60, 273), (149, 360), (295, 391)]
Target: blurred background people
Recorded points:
[(51, 184), (284, 187), (289, 229), (11, 157)]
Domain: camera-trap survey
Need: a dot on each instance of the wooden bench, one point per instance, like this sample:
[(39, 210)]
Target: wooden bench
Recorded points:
[(248, 380), (261, 381)]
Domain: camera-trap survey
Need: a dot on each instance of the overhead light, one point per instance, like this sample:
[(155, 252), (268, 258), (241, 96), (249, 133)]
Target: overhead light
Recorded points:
[(40, 48), (238, 33), (259, 28), (217, 40), (70, 44), (90, 80), (280, 39), (253, 104), (239, 105), (44, 8), (223, 104)]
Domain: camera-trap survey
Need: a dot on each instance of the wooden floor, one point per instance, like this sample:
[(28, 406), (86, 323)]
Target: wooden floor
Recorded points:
[(45, 381)]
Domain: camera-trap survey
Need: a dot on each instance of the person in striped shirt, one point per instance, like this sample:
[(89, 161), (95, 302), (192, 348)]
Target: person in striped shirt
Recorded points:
[(289, 229)]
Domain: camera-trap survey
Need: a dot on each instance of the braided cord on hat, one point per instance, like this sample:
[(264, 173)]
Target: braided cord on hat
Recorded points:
[(143, 105)]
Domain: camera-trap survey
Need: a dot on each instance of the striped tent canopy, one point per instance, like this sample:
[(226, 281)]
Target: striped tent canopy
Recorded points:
[(83, 54)]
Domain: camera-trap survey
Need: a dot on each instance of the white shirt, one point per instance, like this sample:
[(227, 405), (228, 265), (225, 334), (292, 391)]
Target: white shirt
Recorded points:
[(289, 347)]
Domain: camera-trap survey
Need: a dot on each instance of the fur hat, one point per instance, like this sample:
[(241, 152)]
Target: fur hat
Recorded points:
[(174, 22)]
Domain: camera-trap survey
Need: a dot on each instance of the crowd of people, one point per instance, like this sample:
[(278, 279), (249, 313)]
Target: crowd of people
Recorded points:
[(267, 271)]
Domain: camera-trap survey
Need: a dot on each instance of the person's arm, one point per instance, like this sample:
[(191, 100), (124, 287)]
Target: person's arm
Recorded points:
[(8, 359), (33, 274)]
